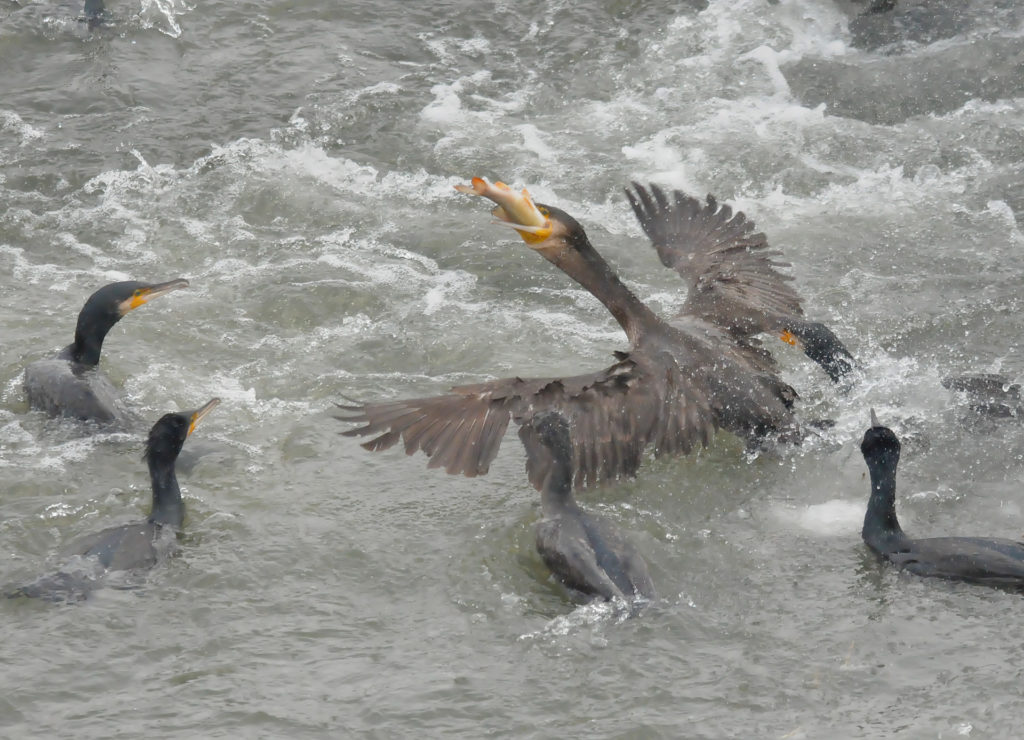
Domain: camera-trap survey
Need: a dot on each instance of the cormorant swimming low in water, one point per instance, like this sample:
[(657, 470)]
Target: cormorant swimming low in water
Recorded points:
[(585, 552), (129, 547), (70, 384), (680, 380), (983, 560), (95, 13), (989, 394)]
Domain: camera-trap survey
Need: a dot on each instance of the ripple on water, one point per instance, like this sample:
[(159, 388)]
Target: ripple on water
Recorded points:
[(305, 189)]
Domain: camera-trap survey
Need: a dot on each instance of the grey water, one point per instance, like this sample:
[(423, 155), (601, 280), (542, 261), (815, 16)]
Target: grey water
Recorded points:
[(295, 161)]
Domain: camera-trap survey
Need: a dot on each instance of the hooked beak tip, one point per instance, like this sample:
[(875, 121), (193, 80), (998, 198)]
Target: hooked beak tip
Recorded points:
[(200, 413)]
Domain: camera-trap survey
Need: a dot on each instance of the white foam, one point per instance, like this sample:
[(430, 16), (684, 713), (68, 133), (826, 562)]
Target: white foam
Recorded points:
[(769, 58), (449, 107), (1002, 210), (445, 49), (11, 121), (592, 613), (446, 106), (667, 163), (830, 518), (533, 140), (163, 15), (443, 291), (381, 88)]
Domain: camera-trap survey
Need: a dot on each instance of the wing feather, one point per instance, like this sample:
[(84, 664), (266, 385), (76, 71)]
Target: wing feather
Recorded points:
[(616, 414), (733, 274)]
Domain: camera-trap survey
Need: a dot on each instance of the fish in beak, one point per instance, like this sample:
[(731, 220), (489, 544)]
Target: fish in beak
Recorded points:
[(513, 209)]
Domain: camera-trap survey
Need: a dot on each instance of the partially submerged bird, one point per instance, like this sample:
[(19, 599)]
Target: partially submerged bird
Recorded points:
[(95, 13), (988, 561), (70, 384), (989, 394), (585, 552), (129, 547), (680, 379)]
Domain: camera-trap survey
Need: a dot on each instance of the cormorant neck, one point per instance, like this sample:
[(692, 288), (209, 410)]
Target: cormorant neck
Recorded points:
[(90, 332), (882, 530), (556, 494), (168, 508), (583, 264)]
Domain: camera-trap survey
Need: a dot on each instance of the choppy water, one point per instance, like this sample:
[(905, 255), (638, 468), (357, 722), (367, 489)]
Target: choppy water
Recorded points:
[(295, 162)]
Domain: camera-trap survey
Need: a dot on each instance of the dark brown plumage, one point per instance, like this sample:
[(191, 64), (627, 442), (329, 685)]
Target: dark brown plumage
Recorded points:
[(678, 382)]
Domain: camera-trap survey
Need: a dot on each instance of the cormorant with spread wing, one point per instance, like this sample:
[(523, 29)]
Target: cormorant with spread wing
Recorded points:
[(680, 379)]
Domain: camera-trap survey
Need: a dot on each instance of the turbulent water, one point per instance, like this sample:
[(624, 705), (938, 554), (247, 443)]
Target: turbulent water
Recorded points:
[(295, 162)]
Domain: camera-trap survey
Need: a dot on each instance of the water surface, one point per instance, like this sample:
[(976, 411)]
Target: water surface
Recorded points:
[(295, 161)]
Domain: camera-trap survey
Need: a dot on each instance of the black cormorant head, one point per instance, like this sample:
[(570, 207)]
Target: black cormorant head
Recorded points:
[(106, 307), (549, 453), (880, 445), (169, 433), (564, 231), (552, 431)]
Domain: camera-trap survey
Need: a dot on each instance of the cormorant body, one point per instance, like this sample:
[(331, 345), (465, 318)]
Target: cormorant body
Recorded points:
[(95, 13), (680, 380), (585, 552), (129, 547), (989, 394), (984, 560), (70, 384)]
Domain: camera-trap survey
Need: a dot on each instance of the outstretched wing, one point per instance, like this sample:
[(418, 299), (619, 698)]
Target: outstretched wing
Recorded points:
[(733, 275), (615, 413)]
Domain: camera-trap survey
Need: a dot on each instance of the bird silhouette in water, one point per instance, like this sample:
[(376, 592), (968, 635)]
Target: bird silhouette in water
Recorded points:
[(988, 561), (680, 380), (989, 394), (585, 552), (135, 547), (70, 384), (95, 13)]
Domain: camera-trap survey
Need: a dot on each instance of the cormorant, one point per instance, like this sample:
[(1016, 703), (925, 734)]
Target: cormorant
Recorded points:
[(70, 384), (585, 552), (680, 379), (989, 393), (881, 6), (129, 547), (95, 13), (985, 560)]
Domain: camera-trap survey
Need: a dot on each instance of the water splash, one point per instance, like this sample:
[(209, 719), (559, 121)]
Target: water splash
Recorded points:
[(163, 15)]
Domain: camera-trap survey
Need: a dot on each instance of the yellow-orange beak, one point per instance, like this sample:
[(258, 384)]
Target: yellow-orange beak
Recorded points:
[(148, 293), (513, 209), (200, 413), (789, 338)]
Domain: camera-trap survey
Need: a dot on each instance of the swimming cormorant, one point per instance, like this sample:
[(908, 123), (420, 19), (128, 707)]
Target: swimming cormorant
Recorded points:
[(70, 384), (585, 552), (95, 13), (680, 379), (983, 560), (129, 547), (989, 393)]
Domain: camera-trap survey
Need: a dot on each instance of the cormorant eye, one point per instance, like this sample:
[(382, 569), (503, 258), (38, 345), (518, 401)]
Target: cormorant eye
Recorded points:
[(544, 211)]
